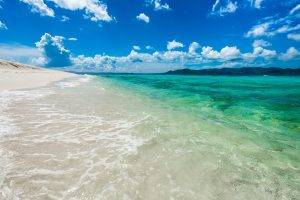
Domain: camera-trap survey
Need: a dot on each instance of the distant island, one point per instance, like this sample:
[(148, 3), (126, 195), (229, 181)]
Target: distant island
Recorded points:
[(243, 71)]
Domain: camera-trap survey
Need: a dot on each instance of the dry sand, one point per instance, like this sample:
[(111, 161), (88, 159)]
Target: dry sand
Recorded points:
[(14, 76)]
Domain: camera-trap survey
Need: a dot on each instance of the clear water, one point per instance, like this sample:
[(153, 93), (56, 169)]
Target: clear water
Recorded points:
[(153, 137)]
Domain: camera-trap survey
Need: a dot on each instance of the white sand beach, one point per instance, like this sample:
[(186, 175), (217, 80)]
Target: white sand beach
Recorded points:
[(15, 76)]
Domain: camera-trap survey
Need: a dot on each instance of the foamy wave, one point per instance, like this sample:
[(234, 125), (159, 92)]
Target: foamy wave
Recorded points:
[(8, 127), (95, 144), (74, 83), (9, 97)]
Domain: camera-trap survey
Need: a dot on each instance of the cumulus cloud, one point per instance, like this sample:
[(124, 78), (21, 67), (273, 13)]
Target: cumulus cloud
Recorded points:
[(3, 26), (100, 63), (229, 56), (294, 36), (174, 45), (229, 52), (54, 50), (143, 17), (193, 47), (291, 53), (264, 53), (172, 56), (209, 53), (259, 51), (50, 51), (137, 62), (226, 53), (94, 9)]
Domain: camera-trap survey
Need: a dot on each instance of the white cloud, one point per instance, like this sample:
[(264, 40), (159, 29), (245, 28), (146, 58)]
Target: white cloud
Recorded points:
[(270, 29), (94, 9), (222, 8), (291, 53), (259, 51), (256, 3), (64, 18), (54, 50), (50, 51), (159, 6), (3, 26), (248, 57), (258, 30), (135, 56), (209, 53), (40, 7), (21, 53), (260, 43), (173, 56), (274, 25), (285, 29), (226, 53), (137, 48), (265, 53), (293, 36), (229, 52), (148, 47), (229, 56), (174, 45), (143, 17), (193, 47), (230, 8), (72, 39)]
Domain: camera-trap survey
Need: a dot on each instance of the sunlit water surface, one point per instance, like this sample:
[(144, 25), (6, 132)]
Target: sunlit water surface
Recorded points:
[(152, 137)]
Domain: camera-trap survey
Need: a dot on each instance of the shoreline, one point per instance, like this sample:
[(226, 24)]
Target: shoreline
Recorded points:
[(16, 76)]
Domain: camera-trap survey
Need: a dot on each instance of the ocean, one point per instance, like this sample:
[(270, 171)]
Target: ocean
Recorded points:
[(126, 136)]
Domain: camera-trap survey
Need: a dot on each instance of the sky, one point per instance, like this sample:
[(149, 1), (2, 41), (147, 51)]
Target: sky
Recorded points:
[(150, 35)]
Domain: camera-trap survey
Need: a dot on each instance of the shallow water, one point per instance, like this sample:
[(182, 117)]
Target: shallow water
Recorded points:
[(152, 137)]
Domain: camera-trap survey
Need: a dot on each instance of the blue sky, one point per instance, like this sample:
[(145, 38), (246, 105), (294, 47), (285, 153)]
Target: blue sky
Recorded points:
[(150, 35)]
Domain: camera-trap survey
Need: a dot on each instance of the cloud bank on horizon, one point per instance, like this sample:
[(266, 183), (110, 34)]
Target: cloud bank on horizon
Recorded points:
[(150, 35)]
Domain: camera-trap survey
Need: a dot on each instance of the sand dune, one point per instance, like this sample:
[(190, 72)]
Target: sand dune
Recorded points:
[(15, 76)]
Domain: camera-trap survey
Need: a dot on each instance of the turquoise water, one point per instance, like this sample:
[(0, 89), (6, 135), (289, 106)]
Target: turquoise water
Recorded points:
[(266, 107), (256, 119)]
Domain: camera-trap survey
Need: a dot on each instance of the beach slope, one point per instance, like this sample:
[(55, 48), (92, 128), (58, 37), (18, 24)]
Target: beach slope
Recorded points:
[(14, 76)]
